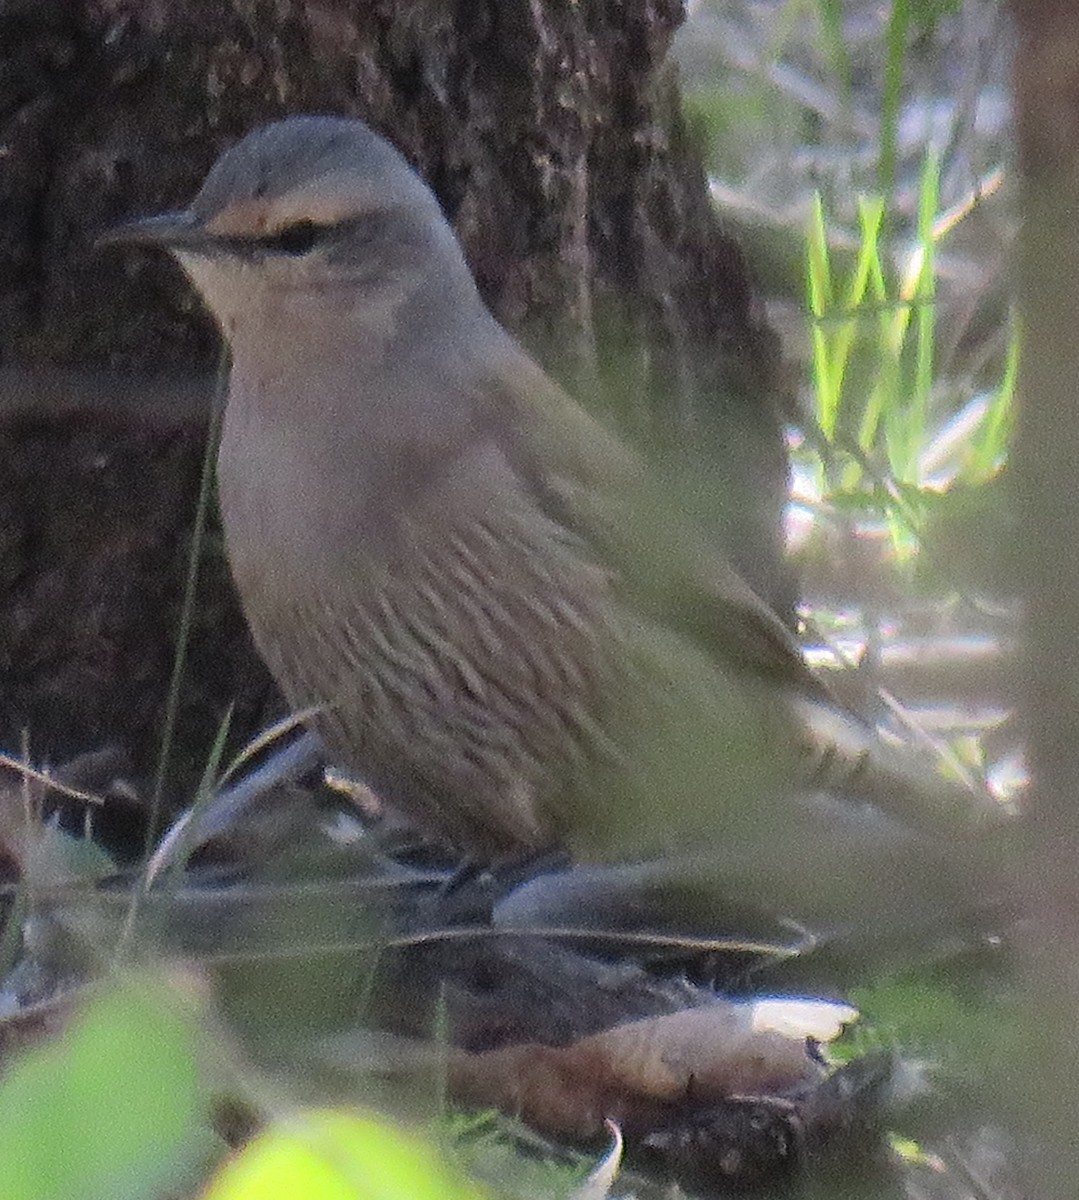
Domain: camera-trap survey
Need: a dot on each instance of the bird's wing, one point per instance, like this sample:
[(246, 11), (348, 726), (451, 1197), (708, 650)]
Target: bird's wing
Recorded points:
[(593, 484)]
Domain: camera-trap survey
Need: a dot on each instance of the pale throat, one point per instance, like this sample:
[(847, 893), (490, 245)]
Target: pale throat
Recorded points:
[(313, 318)]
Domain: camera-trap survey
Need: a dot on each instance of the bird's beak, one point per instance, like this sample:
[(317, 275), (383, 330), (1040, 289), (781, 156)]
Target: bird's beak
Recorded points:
[(180, 230)]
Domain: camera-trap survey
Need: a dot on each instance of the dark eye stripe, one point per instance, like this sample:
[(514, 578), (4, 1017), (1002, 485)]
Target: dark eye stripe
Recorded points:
[(300, 237), (296, 239)]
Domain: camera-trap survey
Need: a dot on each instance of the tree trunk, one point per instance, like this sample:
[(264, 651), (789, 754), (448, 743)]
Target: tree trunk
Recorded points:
[(1041, 1071), (553, 137)]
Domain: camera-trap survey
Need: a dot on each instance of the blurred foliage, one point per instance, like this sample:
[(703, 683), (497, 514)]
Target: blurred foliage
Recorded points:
[(118, 1105), (489, 1145), (333, 1155), (881, 410), (112, 1108), (935, 1021)]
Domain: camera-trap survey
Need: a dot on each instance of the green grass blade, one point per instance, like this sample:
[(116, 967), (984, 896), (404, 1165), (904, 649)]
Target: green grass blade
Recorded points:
[(820, 299), (991, 446), (895, 43), (187, 611)]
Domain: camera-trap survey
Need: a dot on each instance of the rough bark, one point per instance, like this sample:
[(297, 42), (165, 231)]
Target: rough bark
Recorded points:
[(553, 138)]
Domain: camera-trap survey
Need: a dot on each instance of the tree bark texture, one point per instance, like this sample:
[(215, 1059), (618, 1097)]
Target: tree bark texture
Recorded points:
[(553, 137)]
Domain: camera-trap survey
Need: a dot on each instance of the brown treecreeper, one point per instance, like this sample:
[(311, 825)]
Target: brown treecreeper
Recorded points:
[(507, 631)]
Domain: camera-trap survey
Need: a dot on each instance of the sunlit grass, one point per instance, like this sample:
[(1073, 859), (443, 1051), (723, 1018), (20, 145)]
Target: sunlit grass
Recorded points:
[(885, 427)]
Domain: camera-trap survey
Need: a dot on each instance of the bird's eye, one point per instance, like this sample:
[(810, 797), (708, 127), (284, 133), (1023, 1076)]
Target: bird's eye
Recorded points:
[(297, 238)]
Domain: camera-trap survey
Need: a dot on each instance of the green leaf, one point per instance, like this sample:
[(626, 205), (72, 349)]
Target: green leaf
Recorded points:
[(335, 1155), (110, 1110)]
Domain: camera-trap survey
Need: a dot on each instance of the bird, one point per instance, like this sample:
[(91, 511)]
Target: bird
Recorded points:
[(487, 601)]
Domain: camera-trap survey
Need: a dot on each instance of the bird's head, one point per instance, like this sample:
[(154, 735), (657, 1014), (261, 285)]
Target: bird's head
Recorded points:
[(305, 218)]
